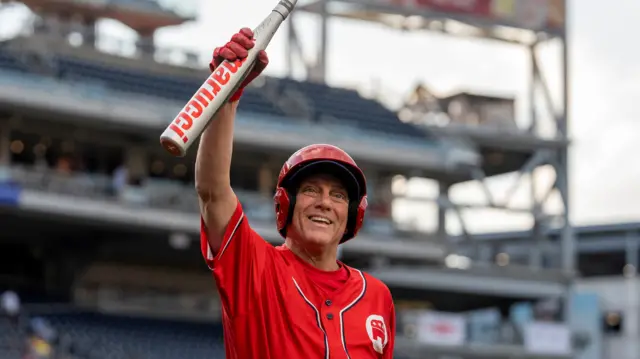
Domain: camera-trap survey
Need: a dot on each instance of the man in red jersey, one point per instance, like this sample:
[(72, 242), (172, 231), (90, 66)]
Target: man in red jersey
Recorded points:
[(297, 300)]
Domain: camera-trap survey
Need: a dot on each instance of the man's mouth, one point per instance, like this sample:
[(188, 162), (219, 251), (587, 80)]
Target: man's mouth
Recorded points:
[(320, 220)]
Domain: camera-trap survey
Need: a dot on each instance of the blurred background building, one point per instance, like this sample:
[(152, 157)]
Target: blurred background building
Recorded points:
[(98, 247)]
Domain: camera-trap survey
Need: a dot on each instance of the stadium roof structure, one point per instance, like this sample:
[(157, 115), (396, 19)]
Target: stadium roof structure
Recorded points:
[(596, 238), (140, 15)]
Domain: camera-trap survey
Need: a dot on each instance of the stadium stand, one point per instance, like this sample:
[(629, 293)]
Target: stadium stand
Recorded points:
[(325, 104), (128, 81), (85, 335), (10, 340), (288, 102), (115, 337), (60, 244)]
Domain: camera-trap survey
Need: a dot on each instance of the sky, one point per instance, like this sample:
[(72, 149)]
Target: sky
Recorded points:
[(605, 86)]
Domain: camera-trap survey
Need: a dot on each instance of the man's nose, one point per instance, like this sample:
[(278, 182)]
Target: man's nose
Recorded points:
[(324, 201)]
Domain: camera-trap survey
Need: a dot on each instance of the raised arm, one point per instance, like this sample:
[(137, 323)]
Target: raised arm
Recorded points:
[(213, 163)]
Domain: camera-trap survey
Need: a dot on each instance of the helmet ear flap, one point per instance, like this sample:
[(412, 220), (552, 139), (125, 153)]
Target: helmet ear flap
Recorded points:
[(284, 203), (355, 219), (362, 208)]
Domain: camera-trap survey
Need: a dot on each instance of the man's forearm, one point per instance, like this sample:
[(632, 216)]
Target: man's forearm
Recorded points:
[(213, 161)]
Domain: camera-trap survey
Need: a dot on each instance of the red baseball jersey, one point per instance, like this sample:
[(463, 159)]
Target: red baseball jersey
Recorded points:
[(272, 310)]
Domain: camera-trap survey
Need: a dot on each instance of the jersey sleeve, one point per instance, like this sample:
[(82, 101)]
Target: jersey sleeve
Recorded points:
[(388, 351), (238, 265), (391, 315)]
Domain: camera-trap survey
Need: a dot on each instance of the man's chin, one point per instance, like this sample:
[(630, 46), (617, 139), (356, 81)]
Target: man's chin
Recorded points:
[(317, 239)]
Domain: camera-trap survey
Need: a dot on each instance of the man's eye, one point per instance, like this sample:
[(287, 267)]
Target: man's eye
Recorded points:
[(341, 196)]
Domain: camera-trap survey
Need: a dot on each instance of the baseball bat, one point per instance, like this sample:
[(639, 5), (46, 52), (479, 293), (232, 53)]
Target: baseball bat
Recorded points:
[(215, 91)]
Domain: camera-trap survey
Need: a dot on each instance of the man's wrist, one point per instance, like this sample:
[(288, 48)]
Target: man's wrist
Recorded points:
[(236, 96)]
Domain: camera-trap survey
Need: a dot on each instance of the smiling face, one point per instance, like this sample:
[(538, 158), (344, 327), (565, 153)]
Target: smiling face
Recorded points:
[(320, 213)]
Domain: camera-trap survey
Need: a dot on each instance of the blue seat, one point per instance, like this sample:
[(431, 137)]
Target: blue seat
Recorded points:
[(321, 102), (106, 336)]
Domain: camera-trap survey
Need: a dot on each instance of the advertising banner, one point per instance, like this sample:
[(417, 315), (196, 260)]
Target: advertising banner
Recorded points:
[(441, 328), (547, 338)]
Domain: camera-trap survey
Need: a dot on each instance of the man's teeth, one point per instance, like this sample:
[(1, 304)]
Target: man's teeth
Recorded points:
[(320, 219)]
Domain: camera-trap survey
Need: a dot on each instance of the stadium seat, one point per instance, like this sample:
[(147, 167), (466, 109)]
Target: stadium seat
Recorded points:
[(118, 337), (312, 102), (9, 61), (10, 340), (129, 81), (348, 107)]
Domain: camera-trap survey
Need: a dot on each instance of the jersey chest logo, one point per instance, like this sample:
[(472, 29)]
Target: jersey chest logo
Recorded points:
[(377, 331)]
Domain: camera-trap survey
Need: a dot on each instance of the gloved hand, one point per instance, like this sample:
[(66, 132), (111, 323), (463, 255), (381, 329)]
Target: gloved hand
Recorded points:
[(237, 49)]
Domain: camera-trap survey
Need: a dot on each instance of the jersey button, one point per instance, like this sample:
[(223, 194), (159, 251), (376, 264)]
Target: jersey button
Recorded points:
[(327, 302), (329, 316)]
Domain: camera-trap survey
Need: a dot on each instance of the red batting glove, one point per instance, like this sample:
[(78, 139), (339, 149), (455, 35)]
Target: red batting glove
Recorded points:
[(237, 49)]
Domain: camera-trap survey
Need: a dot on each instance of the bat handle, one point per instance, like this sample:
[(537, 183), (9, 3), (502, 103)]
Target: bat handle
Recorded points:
[(285, 7)]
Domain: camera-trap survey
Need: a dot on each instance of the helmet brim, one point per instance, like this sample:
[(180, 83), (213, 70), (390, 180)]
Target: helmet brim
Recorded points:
[(327, 167)]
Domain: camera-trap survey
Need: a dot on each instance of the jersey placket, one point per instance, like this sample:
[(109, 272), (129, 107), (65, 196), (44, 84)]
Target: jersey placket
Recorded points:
[(329, 313), (332, 310)]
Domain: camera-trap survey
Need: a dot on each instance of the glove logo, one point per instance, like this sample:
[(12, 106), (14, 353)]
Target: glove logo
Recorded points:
[(377, 331)]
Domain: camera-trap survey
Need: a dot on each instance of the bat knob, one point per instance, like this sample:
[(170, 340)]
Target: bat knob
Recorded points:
[(172, 147)]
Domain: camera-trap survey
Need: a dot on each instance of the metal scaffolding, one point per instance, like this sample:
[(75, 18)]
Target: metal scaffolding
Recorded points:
[(523, 151)]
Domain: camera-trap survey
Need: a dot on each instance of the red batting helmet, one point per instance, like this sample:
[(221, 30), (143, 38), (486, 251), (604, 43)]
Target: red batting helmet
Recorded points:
[(321, 158)]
